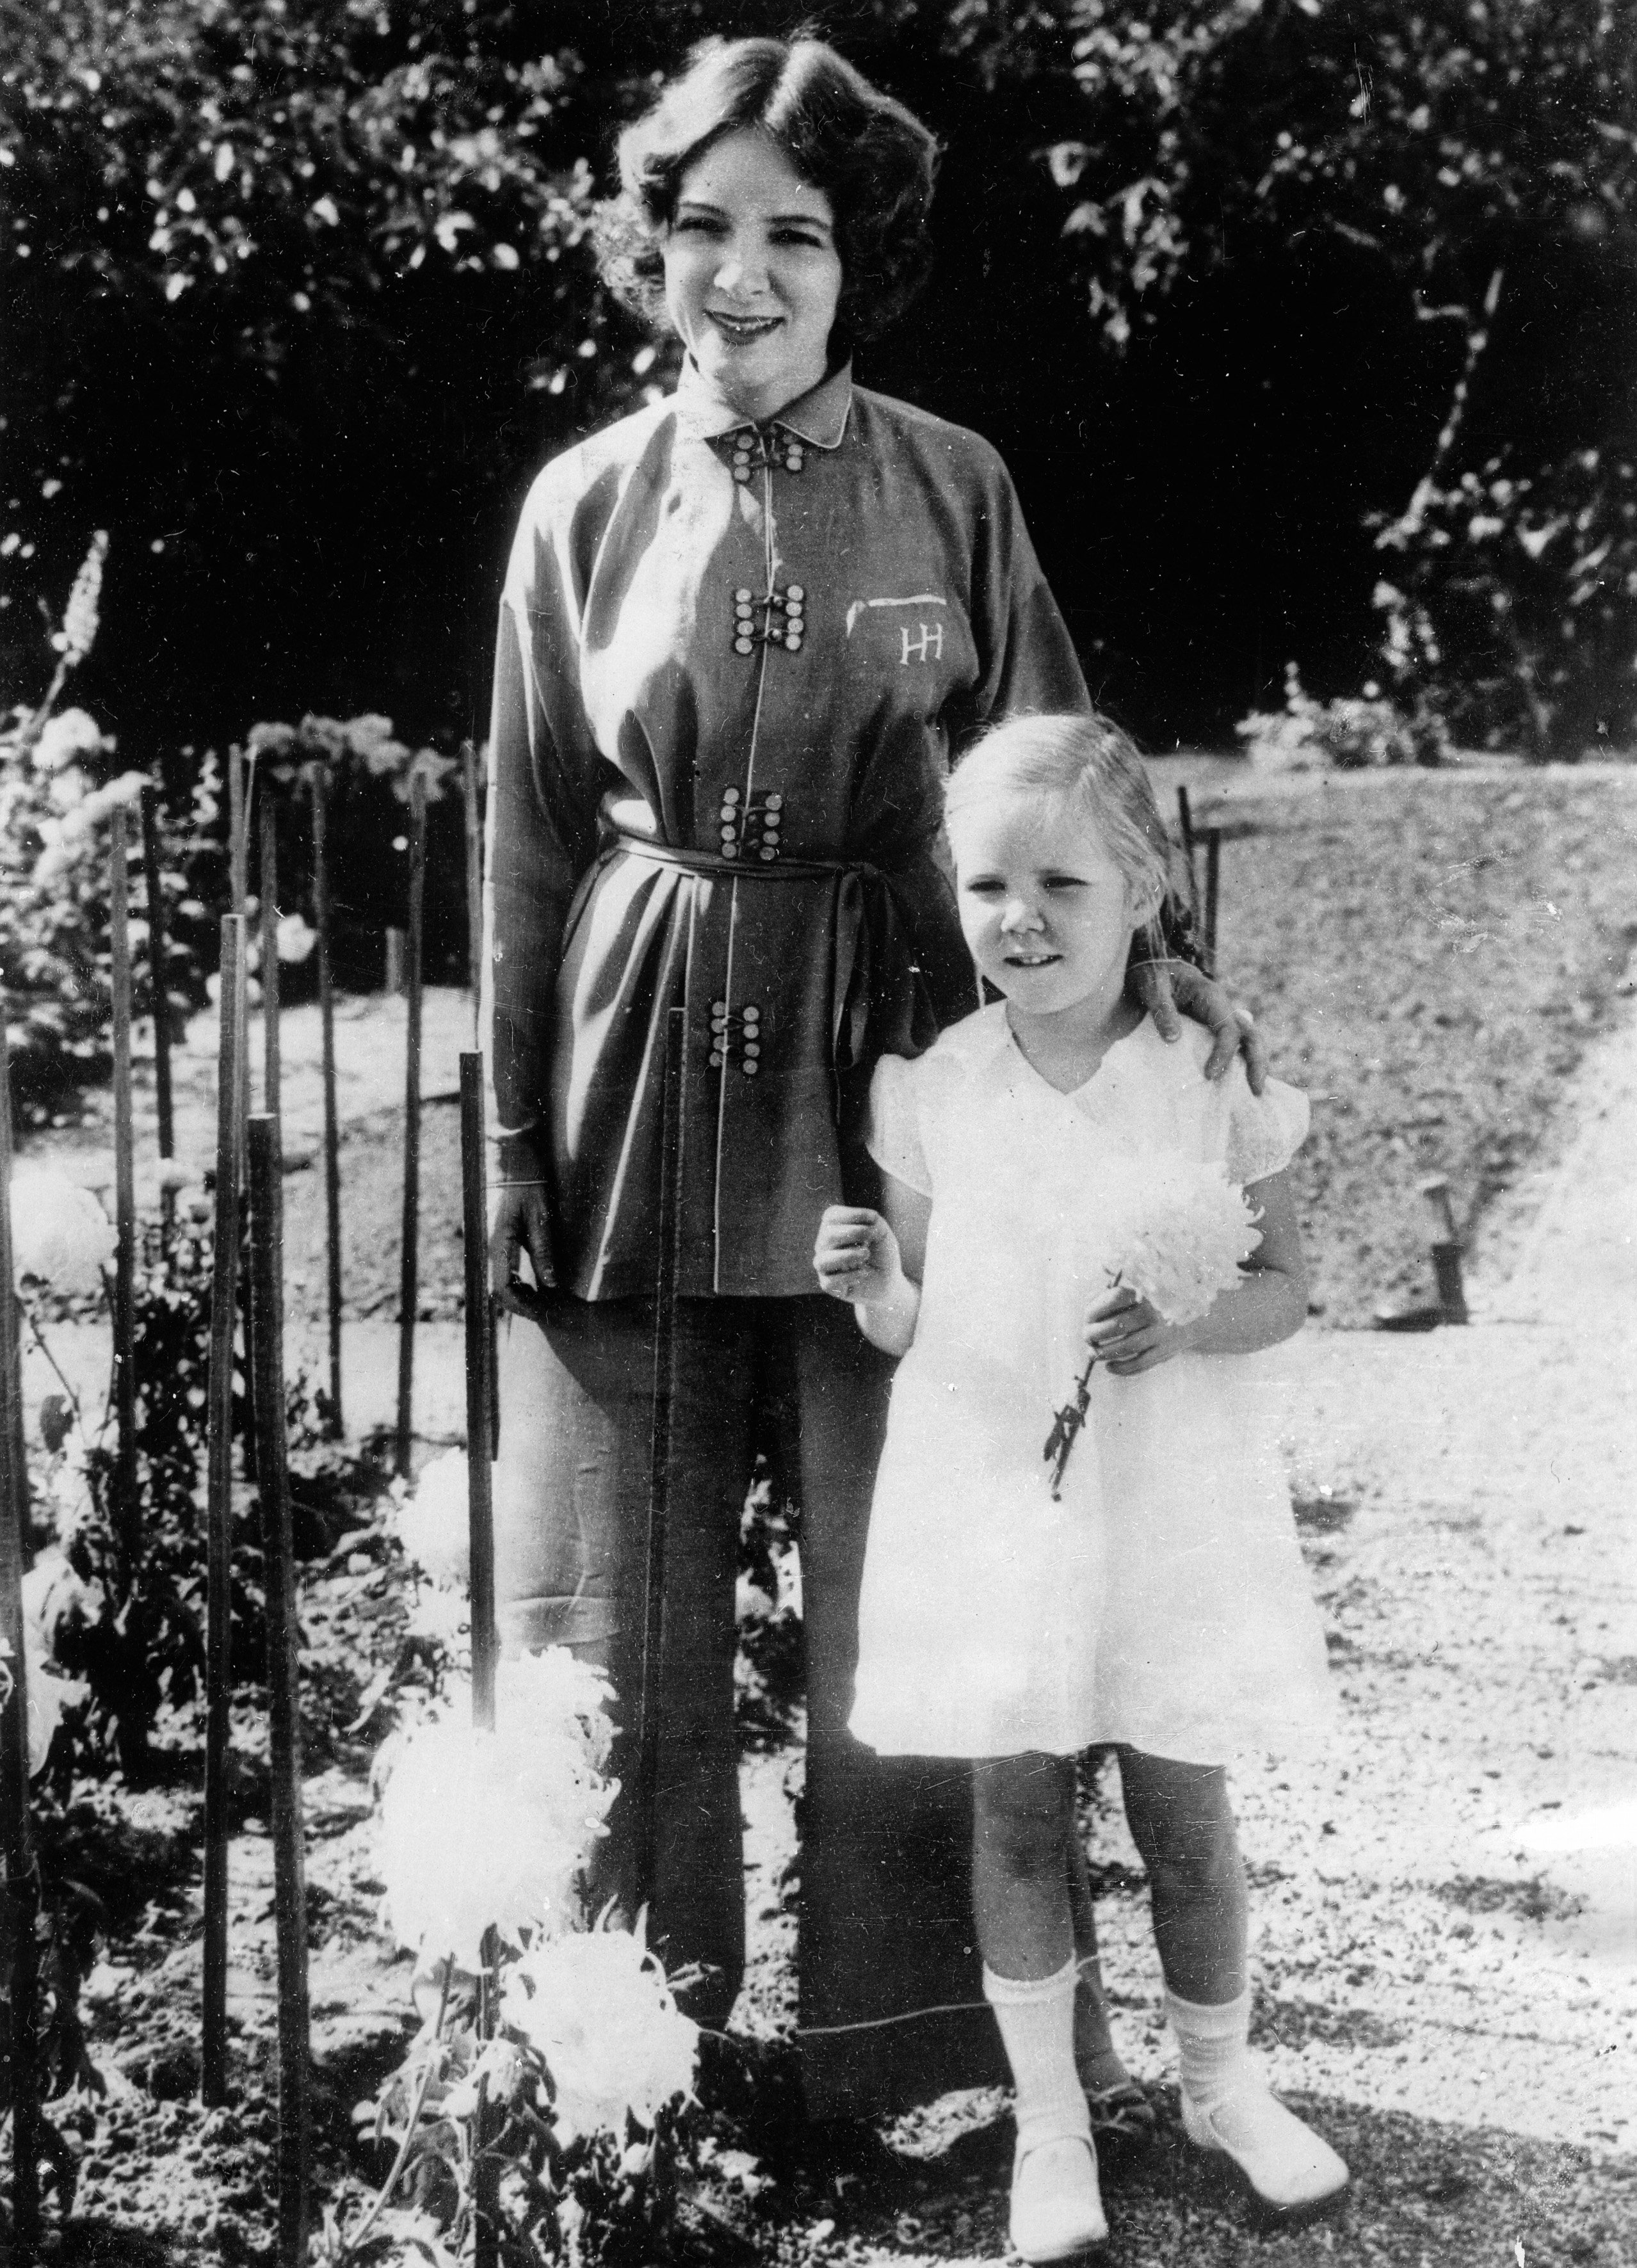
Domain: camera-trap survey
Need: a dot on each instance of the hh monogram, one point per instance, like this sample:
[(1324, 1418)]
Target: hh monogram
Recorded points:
[(926, 642)]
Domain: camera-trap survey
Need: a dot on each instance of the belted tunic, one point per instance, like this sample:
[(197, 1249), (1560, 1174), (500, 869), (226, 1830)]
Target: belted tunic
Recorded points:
[(735, 662)]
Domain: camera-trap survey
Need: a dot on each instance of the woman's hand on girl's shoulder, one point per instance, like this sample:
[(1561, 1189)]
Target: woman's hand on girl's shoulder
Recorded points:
[(1167, 987), (1128, 1336), (856, 1255)]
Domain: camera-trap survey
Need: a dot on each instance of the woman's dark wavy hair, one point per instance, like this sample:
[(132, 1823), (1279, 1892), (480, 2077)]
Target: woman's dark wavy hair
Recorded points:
[(872, 158)]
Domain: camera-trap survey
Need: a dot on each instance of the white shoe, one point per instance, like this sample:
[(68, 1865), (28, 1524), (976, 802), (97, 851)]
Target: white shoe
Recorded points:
[(1292, 2169), (1057, 2207)]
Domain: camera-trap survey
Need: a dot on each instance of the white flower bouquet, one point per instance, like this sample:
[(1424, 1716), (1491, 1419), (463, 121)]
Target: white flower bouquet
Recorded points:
[(1175, 1232)]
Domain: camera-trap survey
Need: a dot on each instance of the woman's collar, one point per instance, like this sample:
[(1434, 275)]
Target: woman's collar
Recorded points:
[(819, 417)]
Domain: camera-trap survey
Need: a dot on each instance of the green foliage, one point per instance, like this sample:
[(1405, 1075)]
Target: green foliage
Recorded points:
[(1512, 607), (130, 1621), (588, 2199), (1439, 137), (56, 790), (1441, 145)]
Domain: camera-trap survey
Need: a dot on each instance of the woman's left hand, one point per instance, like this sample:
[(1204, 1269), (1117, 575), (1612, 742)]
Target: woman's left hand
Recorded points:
[(1165, 987), (1128, 1335)]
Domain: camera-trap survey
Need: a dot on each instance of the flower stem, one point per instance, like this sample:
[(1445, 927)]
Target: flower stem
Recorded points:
[(33, 1321), (350, 2244)]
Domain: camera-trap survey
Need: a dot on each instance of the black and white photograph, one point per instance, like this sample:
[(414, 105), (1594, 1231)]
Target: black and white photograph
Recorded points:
[(818, 1113)]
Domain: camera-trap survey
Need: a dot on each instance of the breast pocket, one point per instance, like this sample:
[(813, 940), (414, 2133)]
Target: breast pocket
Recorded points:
[(920, 643)]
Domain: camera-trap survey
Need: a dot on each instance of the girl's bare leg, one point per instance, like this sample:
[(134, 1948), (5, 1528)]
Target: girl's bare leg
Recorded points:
[(1183, 1824), (1181, 1821)]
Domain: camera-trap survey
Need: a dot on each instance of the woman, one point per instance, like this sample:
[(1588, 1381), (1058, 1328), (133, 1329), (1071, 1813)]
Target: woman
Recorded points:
[(743, 635)]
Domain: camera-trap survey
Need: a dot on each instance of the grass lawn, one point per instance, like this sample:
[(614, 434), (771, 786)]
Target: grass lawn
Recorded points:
[(1432, 952)]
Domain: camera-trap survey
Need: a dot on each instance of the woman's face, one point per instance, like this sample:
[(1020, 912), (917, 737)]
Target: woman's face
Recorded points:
[(752, 275)]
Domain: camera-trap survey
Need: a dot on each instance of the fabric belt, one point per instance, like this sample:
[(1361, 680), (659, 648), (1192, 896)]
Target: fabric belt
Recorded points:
[(878, 1001)]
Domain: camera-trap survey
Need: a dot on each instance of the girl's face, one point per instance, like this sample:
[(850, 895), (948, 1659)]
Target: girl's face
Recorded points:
[(752, 275), (1047, 915)]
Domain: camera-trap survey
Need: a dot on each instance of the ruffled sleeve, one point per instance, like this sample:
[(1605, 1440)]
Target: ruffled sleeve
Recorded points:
[(1265, 1130), (893, 1134)]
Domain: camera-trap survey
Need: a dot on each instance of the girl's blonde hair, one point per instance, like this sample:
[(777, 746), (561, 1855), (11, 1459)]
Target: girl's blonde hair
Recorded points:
[(1092, 773)]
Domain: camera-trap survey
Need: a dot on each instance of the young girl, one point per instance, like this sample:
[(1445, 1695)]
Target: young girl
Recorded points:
[(1160, 1604)]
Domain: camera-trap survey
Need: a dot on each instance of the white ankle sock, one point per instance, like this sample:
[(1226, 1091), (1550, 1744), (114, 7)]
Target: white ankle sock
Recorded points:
[(1037, 2019), (1212, 2044), (1228, 2106)]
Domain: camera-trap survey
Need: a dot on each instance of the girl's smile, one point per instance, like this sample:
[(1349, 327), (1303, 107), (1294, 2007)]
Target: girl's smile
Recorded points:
[(752, 274)]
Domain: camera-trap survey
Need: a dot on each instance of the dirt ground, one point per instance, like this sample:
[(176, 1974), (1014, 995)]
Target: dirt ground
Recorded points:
[(1445, 1910)]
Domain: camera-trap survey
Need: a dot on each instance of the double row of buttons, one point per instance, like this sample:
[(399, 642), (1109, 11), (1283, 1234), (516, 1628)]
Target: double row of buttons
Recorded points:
[(749, 826), (736, 1037), (783, 619), (758, 452)]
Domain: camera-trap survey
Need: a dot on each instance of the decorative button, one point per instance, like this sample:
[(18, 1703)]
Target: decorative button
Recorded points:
[(753, 1015), (729, 833), (753, 1047), (742, 645), (795, 591), (742, 597), (775, 802), (766, 856), (716, 1061), (751, 1069), (730, 795), (730, 850), (793, 643)]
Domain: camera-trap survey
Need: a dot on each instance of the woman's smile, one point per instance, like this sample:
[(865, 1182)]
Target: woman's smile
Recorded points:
[(752, 272)]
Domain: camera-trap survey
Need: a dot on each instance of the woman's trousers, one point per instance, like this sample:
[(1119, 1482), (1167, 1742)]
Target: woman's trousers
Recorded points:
[(890, 2008)]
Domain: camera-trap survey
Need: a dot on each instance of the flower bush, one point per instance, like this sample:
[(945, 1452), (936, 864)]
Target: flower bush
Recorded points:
[(58, 784), (542, 2091), (1353, 734)]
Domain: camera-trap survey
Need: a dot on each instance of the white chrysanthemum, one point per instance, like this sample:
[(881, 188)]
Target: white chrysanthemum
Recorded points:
[(68, 789), (597, 2007), (47, 1696), (59, 1234), (485, 1830), (434, 1522), (553, 1696), (53, 1593), (70, 733), (1184, 1229), (442, 1616), (296, 939)]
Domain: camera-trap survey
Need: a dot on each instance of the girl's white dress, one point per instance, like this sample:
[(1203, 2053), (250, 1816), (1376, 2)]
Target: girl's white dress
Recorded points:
[(1162, 1602)]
